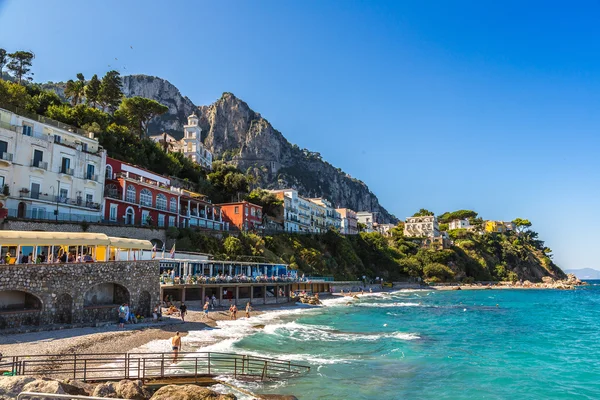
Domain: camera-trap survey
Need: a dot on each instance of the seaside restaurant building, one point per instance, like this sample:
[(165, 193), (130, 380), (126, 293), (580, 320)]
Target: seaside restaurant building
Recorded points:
[(195, 278)]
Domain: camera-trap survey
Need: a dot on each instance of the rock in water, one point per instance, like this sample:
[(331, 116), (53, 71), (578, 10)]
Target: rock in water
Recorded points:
[(11, 386), (189, 392), (277, 397)]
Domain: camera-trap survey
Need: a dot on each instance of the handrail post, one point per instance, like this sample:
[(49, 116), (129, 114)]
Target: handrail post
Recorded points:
[(162, 366), (139, 362), (209, 363), (243, 363), (196, 370), (74, 366), (144, 370), (264, 372), (126, 365), (235, 368), (84, 369)]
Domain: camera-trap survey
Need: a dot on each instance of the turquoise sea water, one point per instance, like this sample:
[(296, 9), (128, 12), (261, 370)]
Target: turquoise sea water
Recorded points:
[(484, 344)]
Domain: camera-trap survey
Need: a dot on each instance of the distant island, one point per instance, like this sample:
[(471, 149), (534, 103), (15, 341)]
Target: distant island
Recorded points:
[(585, 273)]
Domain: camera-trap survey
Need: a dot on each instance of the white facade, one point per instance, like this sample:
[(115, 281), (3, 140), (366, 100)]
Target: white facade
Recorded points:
[(426, 226), (332, 218), (50, 170), (384, 229), (459, 224), (190, 145), (367, 219)]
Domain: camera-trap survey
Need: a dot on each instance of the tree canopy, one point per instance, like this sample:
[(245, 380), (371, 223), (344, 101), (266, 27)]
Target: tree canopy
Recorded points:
[(75, 90), (521, 224), (460, 214), (271, 205), (423, 213), (109, 93), (92, 91), (20, 65), (139, 111)]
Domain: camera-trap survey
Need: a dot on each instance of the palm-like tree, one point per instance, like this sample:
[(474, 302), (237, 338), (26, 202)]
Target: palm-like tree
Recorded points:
[(75, 90)]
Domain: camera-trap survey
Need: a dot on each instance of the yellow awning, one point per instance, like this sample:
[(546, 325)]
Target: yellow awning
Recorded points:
[(125, 243), (27, 238)]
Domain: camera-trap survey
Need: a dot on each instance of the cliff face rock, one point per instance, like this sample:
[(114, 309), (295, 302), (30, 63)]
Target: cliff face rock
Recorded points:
[(238, 134)]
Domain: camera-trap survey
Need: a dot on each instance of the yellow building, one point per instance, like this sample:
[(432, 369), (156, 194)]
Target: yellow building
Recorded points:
[(499, 226)]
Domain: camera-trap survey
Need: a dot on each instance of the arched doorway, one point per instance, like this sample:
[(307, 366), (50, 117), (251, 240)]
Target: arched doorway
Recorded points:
[(18, 308), (63, 309), (129, 216), (144, 306), (158, 243), (21, 210)]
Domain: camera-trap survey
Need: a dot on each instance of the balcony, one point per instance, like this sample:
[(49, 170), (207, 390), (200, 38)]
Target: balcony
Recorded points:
[(91, 177), (78, 202), (40, 164), (113, 194), (67, 171), (8, 157)]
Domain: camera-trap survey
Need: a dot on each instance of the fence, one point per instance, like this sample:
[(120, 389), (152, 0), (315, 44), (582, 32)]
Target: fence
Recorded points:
[(152, 366)]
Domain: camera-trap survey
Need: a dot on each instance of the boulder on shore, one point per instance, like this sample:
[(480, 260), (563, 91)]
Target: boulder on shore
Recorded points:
[(11, 386), (189, 392)]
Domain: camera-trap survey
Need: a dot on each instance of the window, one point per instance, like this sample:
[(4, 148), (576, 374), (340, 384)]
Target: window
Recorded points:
[(64, 195), (173, 205), (161, 219), (3, 149), (253, 211), (171, 221), (146, 197), (113, 212), (65, 165), (1, 183), (91, 169), (27, 129), (109, 172), (57, 139), (236, 210), (130, 197), (38, 157), (145, 217), (89, 199), (35, 190), (246, 210), (161, 202), (84, 147)]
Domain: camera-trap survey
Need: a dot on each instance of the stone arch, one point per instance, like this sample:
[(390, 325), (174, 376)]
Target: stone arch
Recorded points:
[(144, 305), (101, 301), (158, 243), (109, 172), (129, 216), (63, 309), (106, 294), (19, 307)]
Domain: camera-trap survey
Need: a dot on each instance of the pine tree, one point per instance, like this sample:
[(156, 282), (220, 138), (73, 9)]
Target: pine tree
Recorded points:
[(75, 90), (92, 91), (20, 64), (109, 96)]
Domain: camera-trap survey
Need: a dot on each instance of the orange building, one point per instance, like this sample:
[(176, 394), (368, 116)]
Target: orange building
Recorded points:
[(244, 215)]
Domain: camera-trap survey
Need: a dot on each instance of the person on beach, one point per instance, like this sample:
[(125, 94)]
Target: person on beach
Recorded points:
[(122, 315), (231, 311), (182, 311), (214, 301), (205, 308), (248, 309), (176, 346), (126, 312), (234, 310)]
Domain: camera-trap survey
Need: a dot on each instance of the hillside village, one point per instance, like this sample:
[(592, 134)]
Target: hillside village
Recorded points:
[(89, 161)]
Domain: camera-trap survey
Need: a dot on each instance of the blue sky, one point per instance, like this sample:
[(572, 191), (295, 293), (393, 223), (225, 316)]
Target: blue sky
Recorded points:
[(492, 106)]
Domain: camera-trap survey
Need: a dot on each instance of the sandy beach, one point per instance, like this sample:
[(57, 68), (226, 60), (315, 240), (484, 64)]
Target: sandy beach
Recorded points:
[(112, 339)]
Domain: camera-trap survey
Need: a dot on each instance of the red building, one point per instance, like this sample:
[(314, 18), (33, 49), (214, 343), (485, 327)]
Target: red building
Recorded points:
[(135, 196), (244, 215)]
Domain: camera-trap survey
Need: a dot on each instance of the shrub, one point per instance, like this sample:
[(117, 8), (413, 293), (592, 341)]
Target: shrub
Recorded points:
[(439, 271)]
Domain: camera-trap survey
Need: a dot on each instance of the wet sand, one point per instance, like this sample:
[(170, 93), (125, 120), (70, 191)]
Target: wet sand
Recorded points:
[(112, 339)]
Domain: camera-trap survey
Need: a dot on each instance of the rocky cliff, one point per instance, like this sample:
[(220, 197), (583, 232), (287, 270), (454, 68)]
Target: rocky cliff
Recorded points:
[(241, 136), (236, 133)]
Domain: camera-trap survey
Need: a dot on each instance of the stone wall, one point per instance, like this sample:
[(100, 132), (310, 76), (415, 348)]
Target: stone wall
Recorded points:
[(62, 288), (133, 232)]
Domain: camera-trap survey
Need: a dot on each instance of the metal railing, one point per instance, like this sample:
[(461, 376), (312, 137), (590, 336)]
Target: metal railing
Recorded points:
[(40, 164), (49, 215), (151, 366), (79, 201), (6, 156)]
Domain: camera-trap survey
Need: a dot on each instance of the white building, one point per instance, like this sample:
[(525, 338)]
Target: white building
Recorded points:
[(49, 170), (426, 226), (332, 219), (459, 224), (385, 229), (190, 145), (296, 210), (366, 218)]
